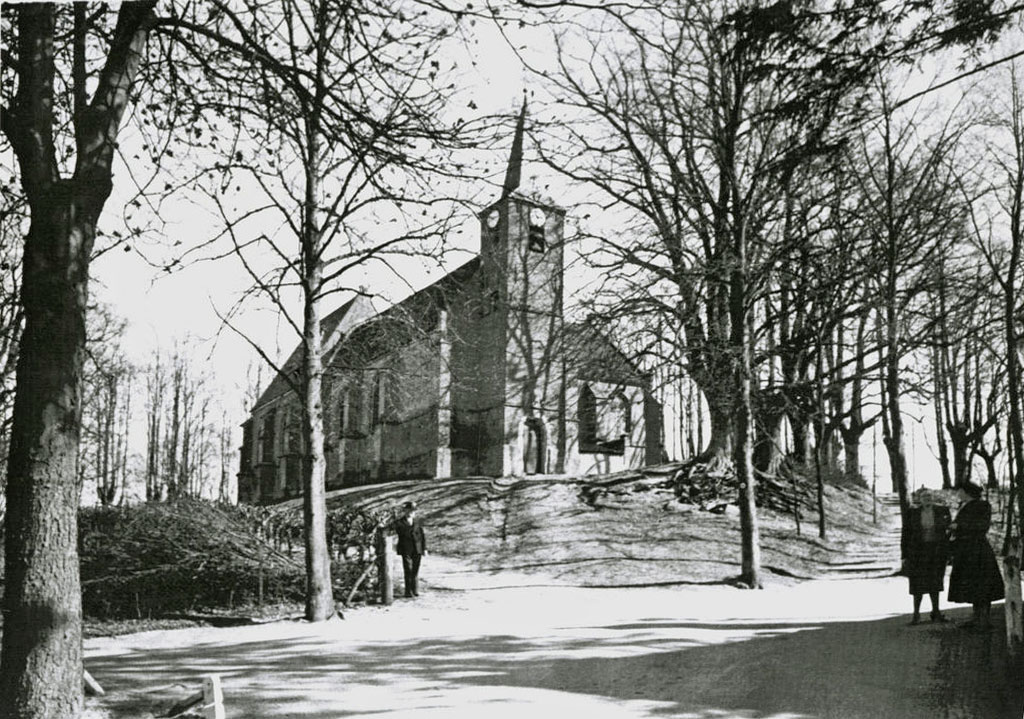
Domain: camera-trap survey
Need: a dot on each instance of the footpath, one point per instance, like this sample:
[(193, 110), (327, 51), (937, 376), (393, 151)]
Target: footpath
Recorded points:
[(514, 645)]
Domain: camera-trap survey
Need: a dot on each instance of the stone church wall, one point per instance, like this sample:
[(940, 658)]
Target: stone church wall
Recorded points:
[(396, 397), (477, 340)]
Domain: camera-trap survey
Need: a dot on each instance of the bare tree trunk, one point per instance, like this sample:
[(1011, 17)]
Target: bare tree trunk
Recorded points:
[(721, 443), (699, 418), (41, 661), (171, 445), (319, 593), (185, 469), (767, 450), (154, 390), (1013, 348), (42, 653), (938, 395), (893, 429), (125, 428), (106, 479), (743, 449), (854, 431), (831, 404), (224, 490), (819, 448), (319, 590)]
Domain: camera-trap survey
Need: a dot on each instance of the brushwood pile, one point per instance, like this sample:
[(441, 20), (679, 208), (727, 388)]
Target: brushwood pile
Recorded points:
[(162, 559)]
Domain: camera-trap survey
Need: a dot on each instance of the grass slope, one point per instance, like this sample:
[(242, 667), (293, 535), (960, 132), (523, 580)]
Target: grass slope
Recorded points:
[(625, 529)]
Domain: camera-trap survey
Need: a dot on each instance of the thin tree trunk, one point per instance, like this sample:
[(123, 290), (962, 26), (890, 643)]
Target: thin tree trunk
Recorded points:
[(938, 394), (319, 594), (743, 449), (125, 427), (319, 591), (893, 438), (1010, 301), (819, 447), (854, 432), (171, 445)]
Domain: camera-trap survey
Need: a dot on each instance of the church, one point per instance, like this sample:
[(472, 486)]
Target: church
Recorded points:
[(477, 374)]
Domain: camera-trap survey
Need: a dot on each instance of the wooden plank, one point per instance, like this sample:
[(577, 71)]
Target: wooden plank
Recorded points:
[(92, 687)]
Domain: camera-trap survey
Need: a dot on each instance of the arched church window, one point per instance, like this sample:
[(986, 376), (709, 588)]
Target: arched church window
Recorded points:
[(266, 440), (625, 408), (587, 417), (534, 449), (378, 399), (344, 413), (351, 417), (292, 431)]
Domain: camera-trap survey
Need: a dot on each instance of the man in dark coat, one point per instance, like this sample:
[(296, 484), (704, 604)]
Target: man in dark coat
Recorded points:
[(975, 578), (412, 545)]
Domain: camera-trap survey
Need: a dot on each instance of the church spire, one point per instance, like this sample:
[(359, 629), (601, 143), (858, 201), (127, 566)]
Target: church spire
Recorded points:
[(515, 160)]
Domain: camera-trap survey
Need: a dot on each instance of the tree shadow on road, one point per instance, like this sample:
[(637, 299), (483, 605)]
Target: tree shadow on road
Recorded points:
[(653, 667)]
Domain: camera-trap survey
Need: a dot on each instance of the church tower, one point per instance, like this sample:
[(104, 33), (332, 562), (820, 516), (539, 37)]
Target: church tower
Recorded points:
[(522, 249)]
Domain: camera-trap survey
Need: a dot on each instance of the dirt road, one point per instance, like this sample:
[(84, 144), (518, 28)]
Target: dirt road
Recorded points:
[(508, 645)]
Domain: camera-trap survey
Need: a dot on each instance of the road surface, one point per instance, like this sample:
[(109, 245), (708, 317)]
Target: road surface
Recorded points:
[(507, 645)]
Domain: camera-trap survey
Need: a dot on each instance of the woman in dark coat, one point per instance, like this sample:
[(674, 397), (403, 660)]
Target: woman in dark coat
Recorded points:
[(976, 578), (927, 553)]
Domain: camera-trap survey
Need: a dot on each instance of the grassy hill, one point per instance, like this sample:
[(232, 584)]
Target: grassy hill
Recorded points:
[(628, 528)]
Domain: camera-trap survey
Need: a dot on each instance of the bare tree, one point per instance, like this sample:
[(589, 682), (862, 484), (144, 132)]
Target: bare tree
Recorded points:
[(967, 371), (156, 386), (906, 185), (693, 132), (106, 400), (349, 96)]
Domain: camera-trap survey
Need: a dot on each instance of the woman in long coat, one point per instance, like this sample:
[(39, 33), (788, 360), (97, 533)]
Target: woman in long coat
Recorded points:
[(927, 552), (975, 578)]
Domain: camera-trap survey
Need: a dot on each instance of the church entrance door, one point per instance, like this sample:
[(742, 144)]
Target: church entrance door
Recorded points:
[(534, 451)]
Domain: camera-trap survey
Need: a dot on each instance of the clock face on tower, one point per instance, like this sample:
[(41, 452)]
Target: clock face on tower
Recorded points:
[(492, 219), (537, 217)]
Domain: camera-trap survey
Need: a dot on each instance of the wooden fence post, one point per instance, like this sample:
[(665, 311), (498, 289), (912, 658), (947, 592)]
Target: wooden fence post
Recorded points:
[(210, 700), (213, 697), (1013, 608), (387, 588)]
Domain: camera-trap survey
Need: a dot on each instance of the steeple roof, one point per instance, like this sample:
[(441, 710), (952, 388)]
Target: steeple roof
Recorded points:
[(514, 171)]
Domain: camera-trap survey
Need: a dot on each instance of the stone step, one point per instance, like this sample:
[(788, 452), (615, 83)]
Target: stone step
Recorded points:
[(847, 576), (873, 567)]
